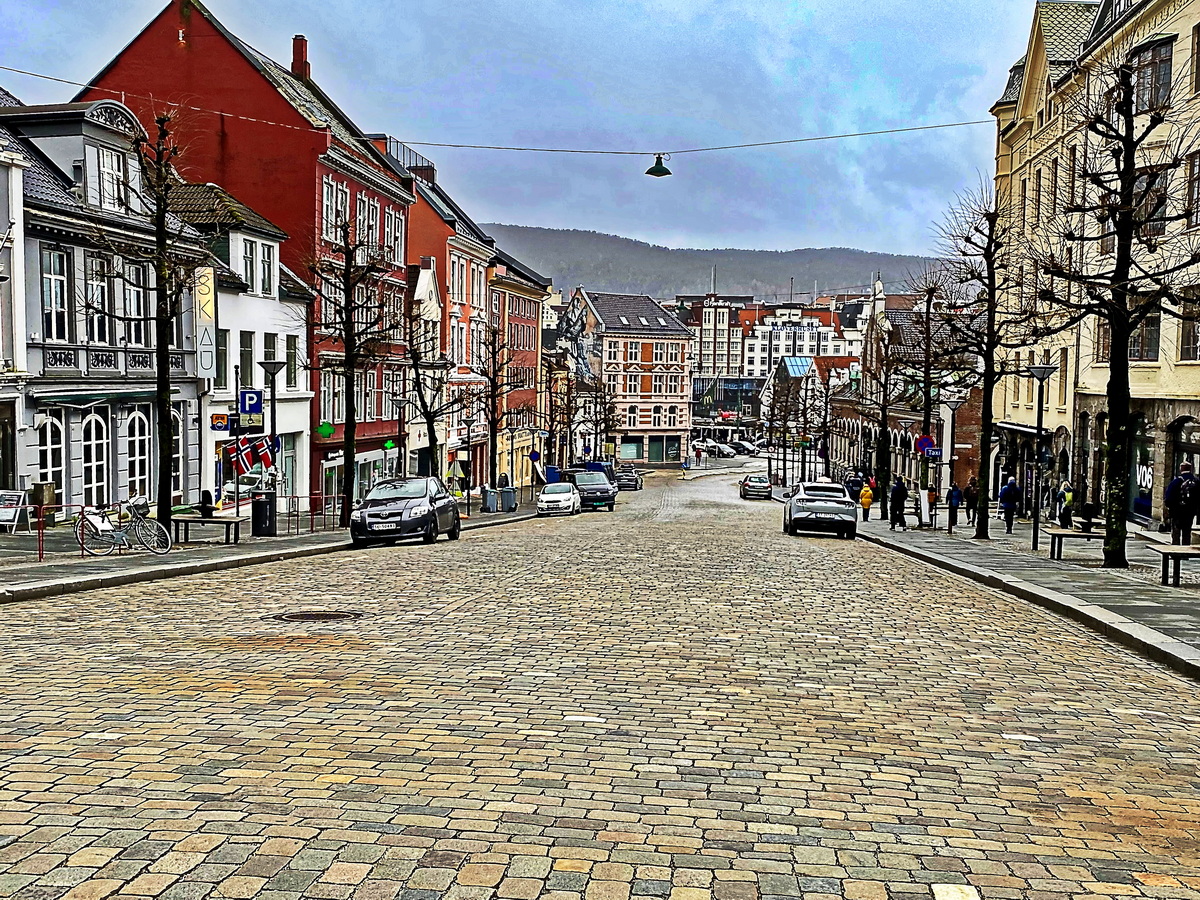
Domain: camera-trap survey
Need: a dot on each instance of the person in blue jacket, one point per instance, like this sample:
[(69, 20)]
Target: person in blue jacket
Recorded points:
[(1010, 500)]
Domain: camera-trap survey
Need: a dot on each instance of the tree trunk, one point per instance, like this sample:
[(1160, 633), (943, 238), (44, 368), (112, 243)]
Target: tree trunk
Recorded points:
[(349, 433), (1117, 456), (163, 337), (984, 474)]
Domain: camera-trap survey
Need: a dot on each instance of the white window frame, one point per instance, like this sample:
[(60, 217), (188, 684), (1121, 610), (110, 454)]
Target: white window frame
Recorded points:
[(112, 175), (56, 296), (52, 453), (250, 263), (137, 313), (137, 451), (266, 269), (95, 460)]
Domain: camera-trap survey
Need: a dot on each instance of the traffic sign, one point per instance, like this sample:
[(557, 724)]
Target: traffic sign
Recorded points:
[(543, 434), (534, 456), (933, 452), (587, 449), (250, 403), (924, 443)]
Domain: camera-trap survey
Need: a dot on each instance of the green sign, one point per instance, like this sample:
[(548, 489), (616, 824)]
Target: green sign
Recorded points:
[(325, 430), (389, 445)]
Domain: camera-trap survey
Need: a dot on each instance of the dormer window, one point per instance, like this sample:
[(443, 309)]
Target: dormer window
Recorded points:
[(112, 180), (249, 262), (267, 265)]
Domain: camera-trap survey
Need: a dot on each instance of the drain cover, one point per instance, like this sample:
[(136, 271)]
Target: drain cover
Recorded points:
[(323, 615)]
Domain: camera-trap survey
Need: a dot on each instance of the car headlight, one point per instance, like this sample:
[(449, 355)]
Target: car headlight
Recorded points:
[(415, 512), (356, 516)]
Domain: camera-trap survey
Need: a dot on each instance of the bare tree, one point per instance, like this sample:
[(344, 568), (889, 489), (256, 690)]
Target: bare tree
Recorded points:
[(426, 376), (1120, 256), (563, 407), (352, 313), (599, 410), (882, 384), (987, 317), (498, 381)]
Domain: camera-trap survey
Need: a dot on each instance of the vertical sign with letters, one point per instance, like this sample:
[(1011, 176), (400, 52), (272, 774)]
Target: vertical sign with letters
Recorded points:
[(206, 322)]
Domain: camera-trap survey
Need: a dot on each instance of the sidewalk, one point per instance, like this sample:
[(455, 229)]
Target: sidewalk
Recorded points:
[(1128, 606), (67, 573)]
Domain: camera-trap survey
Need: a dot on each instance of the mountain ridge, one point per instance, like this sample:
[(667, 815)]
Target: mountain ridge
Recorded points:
[(607, 262)]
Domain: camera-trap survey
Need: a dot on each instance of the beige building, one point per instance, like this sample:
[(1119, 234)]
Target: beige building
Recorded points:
[(1038, 148)]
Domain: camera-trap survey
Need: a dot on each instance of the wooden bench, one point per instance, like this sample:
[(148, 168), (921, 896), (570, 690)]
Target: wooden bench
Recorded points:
[(231, 524), (1173, 556), (1059, 535)]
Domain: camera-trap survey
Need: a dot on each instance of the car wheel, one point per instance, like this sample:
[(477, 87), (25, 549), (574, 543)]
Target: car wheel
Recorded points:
[(358, 542), (431, 532), (455, 531), (852, 534), (611, 507)]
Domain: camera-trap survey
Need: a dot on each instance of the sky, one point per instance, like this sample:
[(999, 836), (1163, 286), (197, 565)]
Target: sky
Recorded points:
[(644, 75)]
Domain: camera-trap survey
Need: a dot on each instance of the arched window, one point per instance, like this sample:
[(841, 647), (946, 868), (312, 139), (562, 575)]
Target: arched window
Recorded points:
[(95, 460), (672, 416), (656, 420), (178, 454), (52, 455), (137, 433), (631, 417)]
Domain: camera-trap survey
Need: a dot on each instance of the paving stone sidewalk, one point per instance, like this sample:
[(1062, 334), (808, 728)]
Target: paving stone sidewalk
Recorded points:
[(1127, 605)]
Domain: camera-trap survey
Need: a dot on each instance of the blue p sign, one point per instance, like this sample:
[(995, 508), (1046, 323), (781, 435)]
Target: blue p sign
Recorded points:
[(250, 403)]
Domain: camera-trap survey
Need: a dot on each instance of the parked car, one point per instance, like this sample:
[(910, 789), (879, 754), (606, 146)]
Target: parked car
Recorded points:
[(559, 499), (595, 490), (744, 447), (405, 507), (247, 484), (820, 506), (629, 478), (755, 487), (725, 451)]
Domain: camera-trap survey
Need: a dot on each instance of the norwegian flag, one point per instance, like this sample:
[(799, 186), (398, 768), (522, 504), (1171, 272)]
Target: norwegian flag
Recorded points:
[(243, 455), (265, 452)]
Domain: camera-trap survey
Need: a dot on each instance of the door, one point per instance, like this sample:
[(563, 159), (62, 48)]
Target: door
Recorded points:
[(656, 449), (443, 506), (8, 447)]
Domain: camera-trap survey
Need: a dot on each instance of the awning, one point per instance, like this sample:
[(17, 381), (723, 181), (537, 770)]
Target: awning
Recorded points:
[(87, 398), (1019, 427)]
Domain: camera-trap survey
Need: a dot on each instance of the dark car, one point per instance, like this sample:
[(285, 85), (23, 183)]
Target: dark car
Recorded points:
[(405, 507), (595, 490), (744, 447), (629, 479), (755, 486)]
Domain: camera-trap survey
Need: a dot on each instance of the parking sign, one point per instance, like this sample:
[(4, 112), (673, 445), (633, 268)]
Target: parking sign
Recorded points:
[(250, 403)]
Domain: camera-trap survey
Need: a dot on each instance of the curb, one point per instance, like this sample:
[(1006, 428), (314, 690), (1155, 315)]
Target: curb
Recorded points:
[(1183, 658), (39, 590)]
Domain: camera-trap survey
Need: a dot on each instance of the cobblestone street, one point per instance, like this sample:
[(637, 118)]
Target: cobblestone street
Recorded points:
[(672, 701)]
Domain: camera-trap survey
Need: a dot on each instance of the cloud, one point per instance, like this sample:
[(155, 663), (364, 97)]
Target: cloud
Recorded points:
[(639, 74)]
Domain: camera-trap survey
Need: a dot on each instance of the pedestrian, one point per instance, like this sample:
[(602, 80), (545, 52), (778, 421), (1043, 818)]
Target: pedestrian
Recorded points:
[(954, 499), (854, 484), (1182, 499), (865, 498), (971, 499), (1010, 499), (898, 499), (1066, 505)]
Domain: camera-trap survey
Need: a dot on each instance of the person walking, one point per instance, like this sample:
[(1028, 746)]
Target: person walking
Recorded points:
[(1066, 505), (1182, 499), (954, 499), (971, 499), (898, 498), (1010, 500), (854, 484), (865, 498)]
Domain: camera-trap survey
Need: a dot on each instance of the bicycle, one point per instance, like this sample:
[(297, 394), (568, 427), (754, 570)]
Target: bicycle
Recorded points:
[(99, 536)]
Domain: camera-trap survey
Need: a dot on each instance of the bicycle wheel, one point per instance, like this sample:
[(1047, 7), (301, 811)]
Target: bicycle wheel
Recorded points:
[(94, 541), (152, 535)]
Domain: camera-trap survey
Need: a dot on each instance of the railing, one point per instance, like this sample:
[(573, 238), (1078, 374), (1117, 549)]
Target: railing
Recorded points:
[(35, 520), (322, 512)]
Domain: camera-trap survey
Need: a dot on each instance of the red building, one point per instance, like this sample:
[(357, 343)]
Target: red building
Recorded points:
[(268, 134)]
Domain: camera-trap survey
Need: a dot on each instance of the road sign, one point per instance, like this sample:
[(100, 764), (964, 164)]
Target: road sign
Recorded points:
[(534, 456), (250, 403), (587, 450), (219, 422), (924, 443), (933, 452), (543, 434)]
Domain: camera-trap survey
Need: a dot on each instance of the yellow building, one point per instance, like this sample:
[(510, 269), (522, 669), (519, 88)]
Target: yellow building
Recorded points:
[(1038, 150)]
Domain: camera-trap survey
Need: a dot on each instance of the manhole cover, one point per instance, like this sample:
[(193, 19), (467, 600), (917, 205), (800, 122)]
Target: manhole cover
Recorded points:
[(323, 615)]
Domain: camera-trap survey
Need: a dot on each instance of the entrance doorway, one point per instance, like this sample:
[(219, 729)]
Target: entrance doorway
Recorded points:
[(8, 446)]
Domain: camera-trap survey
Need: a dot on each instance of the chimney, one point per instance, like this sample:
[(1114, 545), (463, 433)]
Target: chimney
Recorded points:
[(427, 173), (426, 262), (300, 66)]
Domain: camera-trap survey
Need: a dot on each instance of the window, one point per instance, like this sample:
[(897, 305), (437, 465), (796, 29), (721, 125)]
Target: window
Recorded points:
[(613, 383), (631, 417), (52, 454), (633, 351), (1024, 201), (614, 351), (178, 454), (672, 416), (1062, 376), (222, 379), (335, 208), (266, 282), (660, 352), (293, 360), (1143, 343), (393, 234), (99, 311), (137, 432), (1054, 187), (633, 384), (95, 460), (1037, 196), (674, 384), (1195, 73), (673, 352), (1151, 188), (1072, 175), (55, 297), (136, 311), (1152, 77), (246, 359), (659, 384), (1189, 336), (1103, 341), (269, 342), (656, 418), (1193, 189), (249, 263), (112, 180)]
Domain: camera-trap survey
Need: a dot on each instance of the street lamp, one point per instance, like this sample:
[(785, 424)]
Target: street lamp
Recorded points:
[(953, 403), (470, 423), (273, 367), (1042, 373)]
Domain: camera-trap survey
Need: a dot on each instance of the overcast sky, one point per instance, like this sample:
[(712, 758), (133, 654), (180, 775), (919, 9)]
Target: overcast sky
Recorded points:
[(631, 74)]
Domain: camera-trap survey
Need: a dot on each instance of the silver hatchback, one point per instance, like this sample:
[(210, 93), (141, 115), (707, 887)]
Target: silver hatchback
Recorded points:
[(820, 506)]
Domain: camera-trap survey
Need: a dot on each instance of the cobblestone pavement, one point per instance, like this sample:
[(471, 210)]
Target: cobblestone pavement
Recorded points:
[(674, 701)]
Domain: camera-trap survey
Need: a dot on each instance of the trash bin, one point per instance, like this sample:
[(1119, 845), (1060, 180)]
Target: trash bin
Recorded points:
[(487, 500), (262, 514), (508, 499)]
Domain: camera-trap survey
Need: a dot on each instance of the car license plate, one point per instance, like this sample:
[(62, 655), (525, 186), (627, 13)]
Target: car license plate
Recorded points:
[(384, 526), (826, 516)]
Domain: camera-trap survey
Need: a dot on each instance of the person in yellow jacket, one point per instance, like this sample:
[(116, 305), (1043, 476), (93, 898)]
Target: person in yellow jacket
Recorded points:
[(865, 499)]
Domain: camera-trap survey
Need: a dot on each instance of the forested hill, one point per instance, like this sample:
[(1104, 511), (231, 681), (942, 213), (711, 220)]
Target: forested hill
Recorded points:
[(605, 262)]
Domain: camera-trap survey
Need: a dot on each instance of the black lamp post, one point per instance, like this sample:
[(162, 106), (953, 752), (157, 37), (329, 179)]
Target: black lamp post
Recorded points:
[(470, 423), (953, 404), (1042, 373), (273, 367)]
